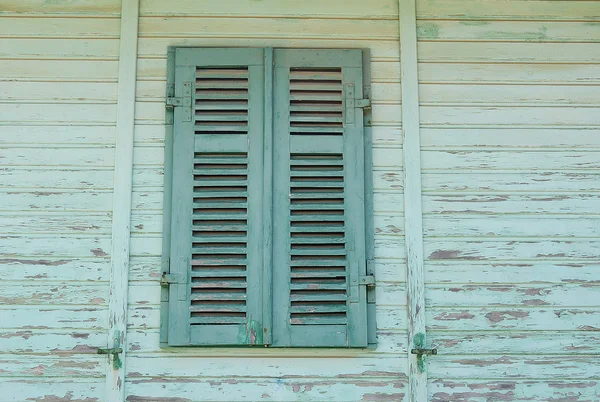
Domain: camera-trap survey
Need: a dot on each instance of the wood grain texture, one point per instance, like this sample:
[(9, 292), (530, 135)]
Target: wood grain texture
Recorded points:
[(508, 103), (121, 214), (413, 213)]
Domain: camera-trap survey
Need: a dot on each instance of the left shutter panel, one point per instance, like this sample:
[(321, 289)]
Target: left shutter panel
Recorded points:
[(216, 226)]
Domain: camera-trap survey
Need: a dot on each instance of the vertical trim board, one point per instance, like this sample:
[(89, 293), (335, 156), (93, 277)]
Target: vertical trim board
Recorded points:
[(121, 228), (413, 214)]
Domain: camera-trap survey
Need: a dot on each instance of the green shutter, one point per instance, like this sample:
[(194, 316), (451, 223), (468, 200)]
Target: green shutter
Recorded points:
[(216, 253), (319, 216)]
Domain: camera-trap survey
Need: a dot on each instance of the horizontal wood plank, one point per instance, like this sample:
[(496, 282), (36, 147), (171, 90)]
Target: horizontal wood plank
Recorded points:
[(502, 203), (509, 116), (511, 226), (511, 250), (505, 367), (54, 246), (521, 138), (352, 368), (57, 27), (257, 389), (516, 343), (513, 319), (508, 31), (442, 390), (42, 48), (54, 293), (311, 8), (73, 7), (88, 366), (513, 273), (508, 10), (190, 27), (564, 295), (44, 317), (523, 73), (18, 389), (508, 95)]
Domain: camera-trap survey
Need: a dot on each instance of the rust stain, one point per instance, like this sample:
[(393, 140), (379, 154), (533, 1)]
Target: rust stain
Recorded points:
[(98, 252), (135, 347), (498, 316)]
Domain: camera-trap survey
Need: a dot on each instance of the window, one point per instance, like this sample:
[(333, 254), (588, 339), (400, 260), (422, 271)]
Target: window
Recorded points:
[(265, 213)]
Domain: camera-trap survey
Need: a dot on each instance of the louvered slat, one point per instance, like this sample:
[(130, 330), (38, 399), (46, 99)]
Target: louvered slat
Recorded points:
[(317, 293), (219, 239), (316, 106), (221, 105)]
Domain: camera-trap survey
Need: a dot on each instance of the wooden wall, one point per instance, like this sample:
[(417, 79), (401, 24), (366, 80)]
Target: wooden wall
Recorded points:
[(261, 374), (510, 112), (510, 116), (58, 79)]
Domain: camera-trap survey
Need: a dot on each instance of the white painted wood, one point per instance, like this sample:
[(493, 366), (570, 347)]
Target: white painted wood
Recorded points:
[(417, 377), (578, 10), (78, 8), (376, 9), (514, 31), (115, 370)]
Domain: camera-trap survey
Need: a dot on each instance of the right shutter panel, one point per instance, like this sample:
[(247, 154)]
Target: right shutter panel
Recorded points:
[(319, 243), (216, 249)]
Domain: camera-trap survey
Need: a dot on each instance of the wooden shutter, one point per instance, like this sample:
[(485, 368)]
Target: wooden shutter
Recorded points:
[(216, 251), (318, 221)]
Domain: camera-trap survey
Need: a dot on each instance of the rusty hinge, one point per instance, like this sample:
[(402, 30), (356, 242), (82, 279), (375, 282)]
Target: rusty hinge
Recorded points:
[(109, 351), (184, 101), (166, 279), (368, 280), (363, 103)]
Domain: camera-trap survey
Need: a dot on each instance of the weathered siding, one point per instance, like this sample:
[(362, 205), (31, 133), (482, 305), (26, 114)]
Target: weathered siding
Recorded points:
[(58, 70), (266, 374), (510, 112)]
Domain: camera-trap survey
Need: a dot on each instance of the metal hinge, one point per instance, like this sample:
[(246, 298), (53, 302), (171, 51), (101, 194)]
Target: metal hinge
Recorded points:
[(421, 352), (166, 279), (363, 103), (184, 101), (109, 351), (368, 280)]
